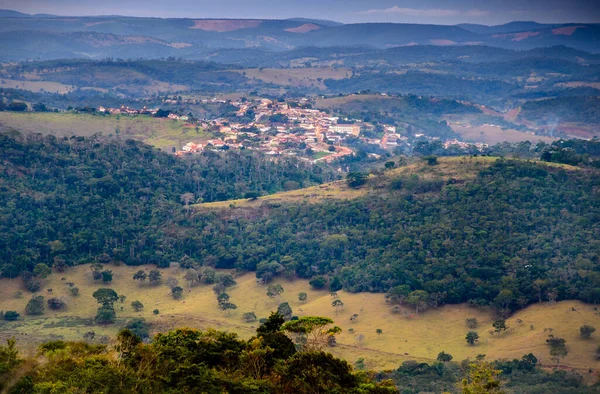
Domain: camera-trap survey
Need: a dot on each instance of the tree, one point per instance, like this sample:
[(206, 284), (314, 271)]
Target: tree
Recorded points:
[(500, 325), (11, 316), (17, 106), (177, 292), (444, 357), (122, 298), (335, 285), (140, 275), (482, 379), (191, 276), (318, 282), (106, 314), (356, 179), (249, 317), (228, 306), (9, 361), (504, 298), (137, 306), (74, 291), (586, 331), (35, 306), (89, 335), (397, 294), (418, 299), (302, 296), (472, 337), (186, 198), (274, 290), (471, 322), (56, 304), (310, 331), (105, 296), (558, 349), (379, 331), (107, 276), (337, 304), (285, 310), (41, 270), (154, 277)]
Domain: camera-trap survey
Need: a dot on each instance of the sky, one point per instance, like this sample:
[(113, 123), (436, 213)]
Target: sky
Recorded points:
[(446, 12)]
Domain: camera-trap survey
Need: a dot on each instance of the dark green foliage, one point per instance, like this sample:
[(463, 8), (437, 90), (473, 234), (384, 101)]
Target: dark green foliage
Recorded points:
[(100, 191), (105, 296), (11, 315), (472, 337), (9, 361), (444, 357), (154, 277), (586, 331), (177, 292), (356, 179), (106, 314), (137, 306), (285, 310), (318, 282), (17, 106), (35, 306), (139, 327), (107, 276), (56, 304), (573, 152)]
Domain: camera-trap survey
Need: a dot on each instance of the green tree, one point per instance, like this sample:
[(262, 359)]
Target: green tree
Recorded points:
[(177, 292), (11, 316), (274, 290), (106, 314), (137, 306), (500, 325), (35, 306), (558, 349), (318, 282), (140, 275), (472, 337), (249, 317), (42, 270), (379, 331), (444, 357), (285, 310), (105, 296), (337, 304), (302, 296), (418, 299), (154, 277), (107, 276), (9, 361), (586, 331)]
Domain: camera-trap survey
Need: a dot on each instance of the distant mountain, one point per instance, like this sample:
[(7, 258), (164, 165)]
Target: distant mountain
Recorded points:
[(505, 28), (25, 36), (13, 14)]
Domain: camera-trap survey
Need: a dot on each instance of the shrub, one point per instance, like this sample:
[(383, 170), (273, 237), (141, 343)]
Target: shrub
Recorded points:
[(35, 306), (11, 316)]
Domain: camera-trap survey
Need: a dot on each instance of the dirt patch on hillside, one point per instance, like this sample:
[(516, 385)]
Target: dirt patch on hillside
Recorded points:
[(566, 31), (223, 25), (305, 28)]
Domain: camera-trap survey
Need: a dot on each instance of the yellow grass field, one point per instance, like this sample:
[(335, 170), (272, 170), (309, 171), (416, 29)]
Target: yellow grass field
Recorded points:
[(306, 77), (420, 337), (161, 133)]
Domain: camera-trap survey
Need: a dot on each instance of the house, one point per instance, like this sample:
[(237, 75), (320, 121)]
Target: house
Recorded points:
[(353, 129)]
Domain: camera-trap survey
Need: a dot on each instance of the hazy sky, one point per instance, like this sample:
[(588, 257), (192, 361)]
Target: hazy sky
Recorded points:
[(407, 11)]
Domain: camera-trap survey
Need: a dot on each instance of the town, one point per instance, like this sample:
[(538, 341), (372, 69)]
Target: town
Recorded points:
[(286, 128)]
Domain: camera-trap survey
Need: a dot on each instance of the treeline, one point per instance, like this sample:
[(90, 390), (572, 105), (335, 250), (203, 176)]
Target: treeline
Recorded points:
[(89, 196), (518, 233), (574, 152), (577, 109), (189, 361)]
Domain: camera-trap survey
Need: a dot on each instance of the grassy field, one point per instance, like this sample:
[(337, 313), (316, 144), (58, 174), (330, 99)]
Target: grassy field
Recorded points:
[(37, 86), (459, 168), (305, 77), (161, 133), (419, 337), (494, 135)]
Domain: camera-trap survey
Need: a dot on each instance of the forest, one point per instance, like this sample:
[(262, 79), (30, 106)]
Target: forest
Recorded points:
[(101, 195), (518, 232)]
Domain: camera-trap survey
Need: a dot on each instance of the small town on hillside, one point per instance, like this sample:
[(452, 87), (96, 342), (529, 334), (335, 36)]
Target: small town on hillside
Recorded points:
[(291, 128)]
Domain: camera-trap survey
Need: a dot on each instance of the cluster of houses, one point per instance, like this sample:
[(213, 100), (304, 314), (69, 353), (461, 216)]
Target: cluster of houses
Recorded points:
[(281, 128)]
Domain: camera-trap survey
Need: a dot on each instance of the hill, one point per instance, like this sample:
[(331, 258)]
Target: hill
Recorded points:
[(127, 37), (418, 337)]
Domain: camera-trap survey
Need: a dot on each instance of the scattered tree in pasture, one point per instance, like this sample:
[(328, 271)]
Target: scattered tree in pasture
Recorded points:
[(379, 331), (586, 331), (337, 304), (41, 270), (74, 291), (274, 290), (172, 282), (249, 317), (122, 298), (107, 276), (56, 304), (418, 299), (444, 357), (89, 335), (11, 315), (558, 349), (302, 296), (177, 292), (500, 325), (105, 296), (154, 277), (137, 306), (472, 337), (285, 310), (35, 306), (140, 275), (106, 314)]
